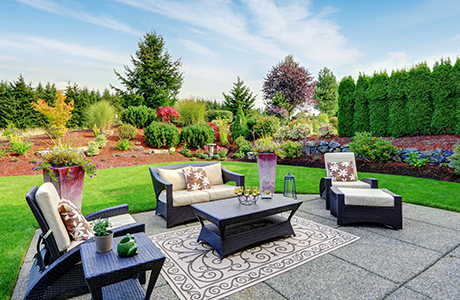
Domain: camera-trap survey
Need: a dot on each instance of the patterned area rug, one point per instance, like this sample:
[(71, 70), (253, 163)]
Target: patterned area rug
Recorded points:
[(195, 271)]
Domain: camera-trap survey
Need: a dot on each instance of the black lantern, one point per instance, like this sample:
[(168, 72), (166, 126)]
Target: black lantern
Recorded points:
[(289, 186)]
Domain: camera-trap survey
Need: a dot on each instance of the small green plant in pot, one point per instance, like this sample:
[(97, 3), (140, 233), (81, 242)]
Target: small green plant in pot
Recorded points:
[(103, 237)]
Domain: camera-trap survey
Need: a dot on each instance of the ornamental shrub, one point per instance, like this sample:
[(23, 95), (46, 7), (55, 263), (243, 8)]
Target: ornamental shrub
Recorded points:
[(93, 149), (326, 130), (127, 131), (372, 148), (212, 115), (456, 158), (161, 135), (167, 113), (198, 135), (241, 142), (266, 126), (300, 131), (186, 152), (140, 116), (223, 131), (192, 111), (297, 121), (240, 126), (221, 151), (100, 114), (101, 141), (123, 144), (292, 149), (283, 132)]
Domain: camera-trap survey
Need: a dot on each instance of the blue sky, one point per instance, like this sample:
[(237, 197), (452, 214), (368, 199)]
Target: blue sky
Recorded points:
[(84, 41)]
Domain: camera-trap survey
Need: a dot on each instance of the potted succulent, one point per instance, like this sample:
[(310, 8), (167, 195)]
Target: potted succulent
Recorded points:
[(103, 237), (65, 166), (266, 151)]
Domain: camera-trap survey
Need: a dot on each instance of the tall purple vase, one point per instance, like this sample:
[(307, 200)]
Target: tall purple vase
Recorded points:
[(71, 188), (267, 171)]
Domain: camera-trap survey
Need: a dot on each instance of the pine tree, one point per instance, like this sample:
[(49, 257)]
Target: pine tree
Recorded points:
[(346, 105), (23, 115), (361, 114), (240, 96), (326, 93), (397, 110), (6, 102), (240, 126), (155, 79), (444, 116), (419, 101), (378, 104)]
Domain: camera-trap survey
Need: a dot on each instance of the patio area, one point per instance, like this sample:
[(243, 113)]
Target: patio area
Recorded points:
[(422, 261)]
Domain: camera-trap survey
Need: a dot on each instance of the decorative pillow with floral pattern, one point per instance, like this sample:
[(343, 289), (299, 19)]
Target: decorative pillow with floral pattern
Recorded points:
[(341, 171), (76, 224), (196, 179)]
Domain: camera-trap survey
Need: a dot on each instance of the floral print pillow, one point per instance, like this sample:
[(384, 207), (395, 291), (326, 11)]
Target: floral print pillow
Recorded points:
[(196, 179), (76, 224), (341, 171)]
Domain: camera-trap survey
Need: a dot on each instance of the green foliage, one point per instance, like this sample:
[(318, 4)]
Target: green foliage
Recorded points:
[(186, 152), (326, 92), (240, 96), (456, 158), (101, 140), (192, 110), (216, 156), (93, 148), (221, 151), (212, 115), (414, 159), (19, 145), (346, 105), (223, 131), (96, 130), (123, 144), (326, 130), (161, 135), (378, 104), (155, 79), (192, 158), (101, 114), (301, 131), (397, 97), (198, 135), (205, 156), (297, 121), (214, 105), (266, 126), (127, 131), (372, 148), (241, 142), (266, 145), (455, 79), (419, 101), (140, 116), (20, 111), (292, 149), (101, 227), (445, 110), (283, 132), (361, 113), (240, 126)]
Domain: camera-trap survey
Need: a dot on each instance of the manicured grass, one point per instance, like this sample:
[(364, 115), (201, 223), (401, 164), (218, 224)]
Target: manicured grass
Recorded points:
[(132, 185)]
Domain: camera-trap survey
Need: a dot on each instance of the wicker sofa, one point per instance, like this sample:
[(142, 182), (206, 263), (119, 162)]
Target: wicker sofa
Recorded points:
[(173, 199)]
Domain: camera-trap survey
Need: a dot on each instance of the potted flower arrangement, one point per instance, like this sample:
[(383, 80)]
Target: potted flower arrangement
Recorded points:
[(65, 166), (266, 151), (103, 237)]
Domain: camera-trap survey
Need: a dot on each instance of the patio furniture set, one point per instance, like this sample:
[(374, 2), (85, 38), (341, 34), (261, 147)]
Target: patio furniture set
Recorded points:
[(65, 268)]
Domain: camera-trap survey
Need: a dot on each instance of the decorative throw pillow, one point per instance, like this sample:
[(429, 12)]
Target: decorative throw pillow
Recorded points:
[(341, 171), (196, 179), (76, 224)]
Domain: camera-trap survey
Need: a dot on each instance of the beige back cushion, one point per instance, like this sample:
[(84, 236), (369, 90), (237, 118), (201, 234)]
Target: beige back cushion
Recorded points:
[(174, 176), (340, 156), (48, 201), (214, 173)]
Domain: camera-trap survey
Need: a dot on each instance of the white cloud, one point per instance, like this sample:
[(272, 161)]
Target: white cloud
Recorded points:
[(76, 13), (197, 48)]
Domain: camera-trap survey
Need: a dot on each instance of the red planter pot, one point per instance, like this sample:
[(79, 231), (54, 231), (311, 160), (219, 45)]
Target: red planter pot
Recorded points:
[(71, 188), (267, 171)]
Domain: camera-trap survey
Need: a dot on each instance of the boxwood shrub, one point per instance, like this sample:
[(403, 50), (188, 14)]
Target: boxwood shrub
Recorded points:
[(161, 135), (140, 116), (197, 135)]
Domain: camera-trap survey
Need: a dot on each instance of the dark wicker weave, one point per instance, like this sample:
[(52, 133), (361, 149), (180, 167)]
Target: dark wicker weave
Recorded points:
[(349, 214), (181, 214), (235, 226), (103, 269), (326, 183), (56, 274)]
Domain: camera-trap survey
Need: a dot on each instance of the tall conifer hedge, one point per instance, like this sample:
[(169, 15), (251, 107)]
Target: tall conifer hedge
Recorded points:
[(361, 116), (378, 104), (420, 104), (346, 105), (397, 99), (455, 79), (444, 115)]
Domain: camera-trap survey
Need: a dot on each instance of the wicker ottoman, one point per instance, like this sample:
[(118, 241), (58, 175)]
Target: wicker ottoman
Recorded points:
[(366, 205)]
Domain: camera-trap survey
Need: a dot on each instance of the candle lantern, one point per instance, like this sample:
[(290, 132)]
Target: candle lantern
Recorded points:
[(289, 186)]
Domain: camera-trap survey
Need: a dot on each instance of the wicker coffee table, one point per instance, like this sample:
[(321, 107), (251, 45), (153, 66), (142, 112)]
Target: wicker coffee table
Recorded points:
[(110, 276), (234, 226)]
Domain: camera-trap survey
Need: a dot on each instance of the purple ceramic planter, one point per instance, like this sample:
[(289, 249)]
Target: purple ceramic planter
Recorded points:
[(71, 188), (267, 171)]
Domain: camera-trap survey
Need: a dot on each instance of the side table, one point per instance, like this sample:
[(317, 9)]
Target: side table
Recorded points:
[(112, 277)]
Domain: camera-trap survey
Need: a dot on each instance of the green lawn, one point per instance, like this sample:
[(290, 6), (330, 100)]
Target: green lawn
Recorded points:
[(132, 185)]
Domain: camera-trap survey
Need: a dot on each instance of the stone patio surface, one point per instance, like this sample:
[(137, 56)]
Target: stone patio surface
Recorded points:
[(422, 261)]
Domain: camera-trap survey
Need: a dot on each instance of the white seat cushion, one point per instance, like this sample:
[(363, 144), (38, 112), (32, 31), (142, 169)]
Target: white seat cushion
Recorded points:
[(174, 176), (367, 197), (221, 191), (48, 201), (121, 220), (184, 197), (351, 184), (214, 173)]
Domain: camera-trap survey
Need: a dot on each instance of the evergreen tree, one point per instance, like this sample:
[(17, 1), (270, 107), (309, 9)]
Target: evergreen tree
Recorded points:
[(346, 103), (455, 79), (240, 126), (6, 102), (445, 115), (155, 79), (326, 93), (397, 98), (23, 115), (240, 96), (419, 102), (378, 104), (361, 115), (294, 81)]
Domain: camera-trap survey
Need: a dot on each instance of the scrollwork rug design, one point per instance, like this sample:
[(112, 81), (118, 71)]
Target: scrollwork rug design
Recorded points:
[(195, 271)]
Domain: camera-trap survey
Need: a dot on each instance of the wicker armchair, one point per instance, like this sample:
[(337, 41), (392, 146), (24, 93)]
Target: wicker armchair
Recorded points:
[(327, 182), (59, 274)]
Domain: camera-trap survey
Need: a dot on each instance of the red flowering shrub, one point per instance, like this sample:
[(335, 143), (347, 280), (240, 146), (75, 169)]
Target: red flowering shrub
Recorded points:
[(216, 131), (168, 112)]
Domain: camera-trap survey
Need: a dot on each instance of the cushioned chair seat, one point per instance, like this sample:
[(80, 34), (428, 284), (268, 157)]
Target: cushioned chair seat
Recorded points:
[(184, 197), (351, 184), (367, 197)]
